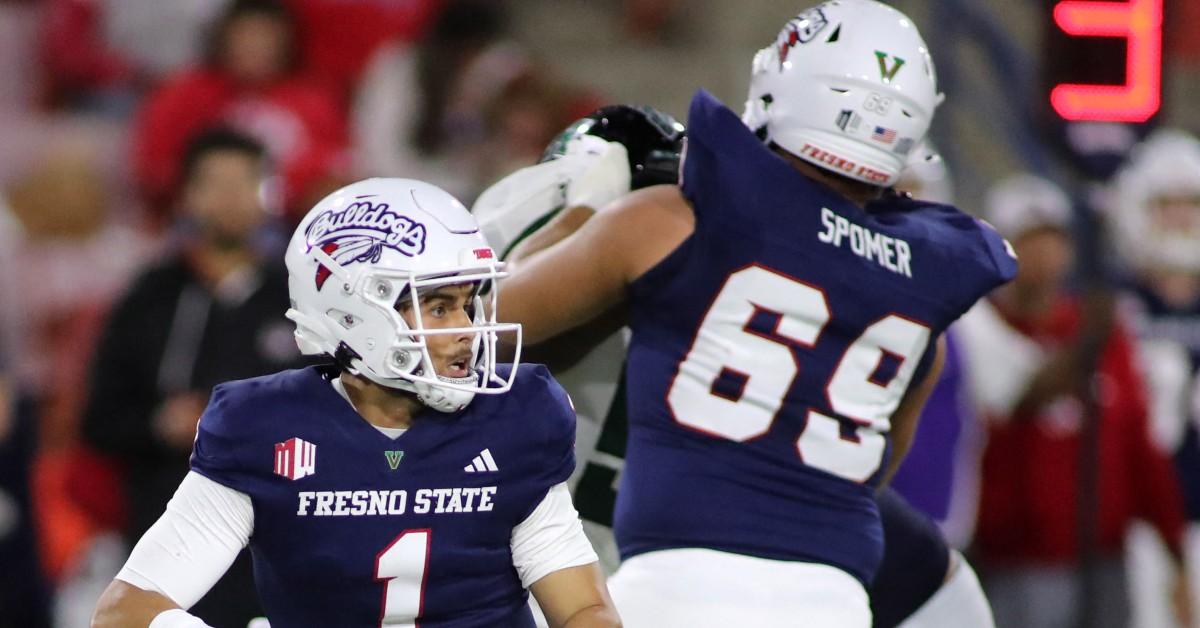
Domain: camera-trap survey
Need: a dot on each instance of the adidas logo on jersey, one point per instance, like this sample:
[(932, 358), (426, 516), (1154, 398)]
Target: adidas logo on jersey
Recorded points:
[(482, 463)]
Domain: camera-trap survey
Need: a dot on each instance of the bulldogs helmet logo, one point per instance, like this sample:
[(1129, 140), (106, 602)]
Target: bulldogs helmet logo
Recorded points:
[(359, 233)]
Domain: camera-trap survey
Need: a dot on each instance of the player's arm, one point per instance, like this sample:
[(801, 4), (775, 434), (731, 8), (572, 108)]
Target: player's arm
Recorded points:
[(123, 604), (908, 413), (179, 558), (567, 222), (557, 563), (564, 350), (586, 273), (576, 597)]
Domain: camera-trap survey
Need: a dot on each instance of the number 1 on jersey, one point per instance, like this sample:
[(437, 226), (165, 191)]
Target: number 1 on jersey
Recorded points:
[(403, 566), (734, 379)]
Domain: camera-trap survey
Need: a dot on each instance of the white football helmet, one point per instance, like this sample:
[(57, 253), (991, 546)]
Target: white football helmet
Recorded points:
[(1023, 202), (848, 86), (1165, 169), (365, 247)]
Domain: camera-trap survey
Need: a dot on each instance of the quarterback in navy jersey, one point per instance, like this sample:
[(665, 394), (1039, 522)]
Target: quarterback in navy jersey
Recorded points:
[(785, 308), (414, 482)]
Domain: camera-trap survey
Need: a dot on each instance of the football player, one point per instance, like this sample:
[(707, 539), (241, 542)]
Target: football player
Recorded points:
[(416, 480), (1154, 209), (784, 308), (921, 582)]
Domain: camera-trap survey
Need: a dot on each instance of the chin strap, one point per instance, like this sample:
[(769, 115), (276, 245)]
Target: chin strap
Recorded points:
[(445, 399), (435, 397)]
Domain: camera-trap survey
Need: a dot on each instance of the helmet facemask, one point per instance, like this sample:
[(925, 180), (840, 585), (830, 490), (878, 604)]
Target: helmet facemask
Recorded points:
[(408, 363)]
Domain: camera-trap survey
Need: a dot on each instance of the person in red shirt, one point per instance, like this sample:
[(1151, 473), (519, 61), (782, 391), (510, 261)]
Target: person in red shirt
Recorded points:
[(1027, 539), (250, 82), (338, 37), (103, 56)]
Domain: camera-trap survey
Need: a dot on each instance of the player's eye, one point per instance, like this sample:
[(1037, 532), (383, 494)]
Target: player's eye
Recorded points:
[(438, 310)]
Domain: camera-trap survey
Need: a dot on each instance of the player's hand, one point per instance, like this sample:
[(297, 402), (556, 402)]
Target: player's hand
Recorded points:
[(175, 422), (605, 177), (591, 173)]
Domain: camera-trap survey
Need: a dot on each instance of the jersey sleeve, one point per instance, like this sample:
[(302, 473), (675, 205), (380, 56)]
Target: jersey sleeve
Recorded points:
[(222, 451), (550, 539), (1000, 259), (559, 437), (191, 546), (700, 155)]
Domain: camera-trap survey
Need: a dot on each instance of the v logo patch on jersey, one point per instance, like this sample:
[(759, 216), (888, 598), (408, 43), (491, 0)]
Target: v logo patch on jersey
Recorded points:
[(483, 462), (393, 458), (295, 458), (884, 72)]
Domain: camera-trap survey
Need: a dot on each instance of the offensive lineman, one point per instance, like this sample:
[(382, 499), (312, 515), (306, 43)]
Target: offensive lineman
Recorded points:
[(922, 583), (768, 261)]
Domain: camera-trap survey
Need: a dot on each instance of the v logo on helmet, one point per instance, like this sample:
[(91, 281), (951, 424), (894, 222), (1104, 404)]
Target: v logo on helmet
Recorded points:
[(884, 72)]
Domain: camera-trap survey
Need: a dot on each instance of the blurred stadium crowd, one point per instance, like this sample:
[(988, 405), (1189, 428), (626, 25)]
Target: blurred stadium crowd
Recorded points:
[(1070, 411)]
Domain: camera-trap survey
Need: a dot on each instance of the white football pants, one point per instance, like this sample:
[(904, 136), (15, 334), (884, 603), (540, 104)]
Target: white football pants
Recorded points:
[(697, 588), (959, 603)]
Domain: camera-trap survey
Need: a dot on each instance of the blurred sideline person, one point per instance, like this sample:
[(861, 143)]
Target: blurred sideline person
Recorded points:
[(415, 481), (24, 594), (779, 252), (1154, 210), (462, 106), (1026, 541), (599, 158), (250, 80), (206, 313)]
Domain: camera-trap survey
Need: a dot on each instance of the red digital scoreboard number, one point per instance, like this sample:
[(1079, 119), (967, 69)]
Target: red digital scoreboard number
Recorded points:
[(1140, 24)]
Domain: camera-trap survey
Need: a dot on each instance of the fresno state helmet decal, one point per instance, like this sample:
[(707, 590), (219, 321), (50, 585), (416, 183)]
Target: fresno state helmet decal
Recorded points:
[(800, 30), (360, 231)]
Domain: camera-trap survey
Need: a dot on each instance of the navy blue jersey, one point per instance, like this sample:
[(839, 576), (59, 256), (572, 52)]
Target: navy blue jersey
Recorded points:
[(352, 528), (771, 348)]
